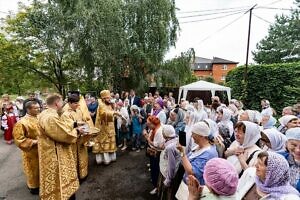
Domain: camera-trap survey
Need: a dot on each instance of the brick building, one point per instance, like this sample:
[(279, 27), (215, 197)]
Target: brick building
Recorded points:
[(217, 68)]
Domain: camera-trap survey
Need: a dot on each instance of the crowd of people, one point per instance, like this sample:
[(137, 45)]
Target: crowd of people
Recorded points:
[(195, 151)]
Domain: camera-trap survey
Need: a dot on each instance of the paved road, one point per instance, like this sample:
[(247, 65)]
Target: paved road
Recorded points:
[(128, 178)]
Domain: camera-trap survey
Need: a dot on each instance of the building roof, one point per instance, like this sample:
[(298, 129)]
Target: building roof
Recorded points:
[(204, 86), (217, 60), (202, 60), (204, 64)]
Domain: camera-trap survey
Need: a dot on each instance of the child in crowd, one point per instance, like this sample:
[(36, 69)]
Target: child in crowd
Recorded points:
[(9, 119), (136, 122)]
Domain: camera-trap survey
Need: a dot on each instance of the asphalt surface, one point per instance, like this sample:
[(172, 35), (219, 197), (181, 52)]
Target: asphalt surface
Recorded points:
[(127, 178)]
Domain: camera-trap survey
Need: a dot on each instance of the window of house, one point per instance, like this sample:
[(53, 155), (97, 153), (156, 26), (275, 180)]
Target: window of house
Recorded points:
[(224, 67), (206, 66), (223, 77)]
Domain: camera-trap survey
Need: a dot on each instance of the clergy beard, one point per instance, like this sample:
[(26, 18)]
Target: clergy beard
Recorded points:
[(107, 102)]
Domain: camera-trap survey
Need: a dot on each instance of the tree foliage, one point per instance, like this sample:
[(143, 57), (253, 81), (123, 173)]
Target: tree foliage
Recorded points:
[(91, 45), (279, 83), (14, 78), (282, 44), (177, 71)]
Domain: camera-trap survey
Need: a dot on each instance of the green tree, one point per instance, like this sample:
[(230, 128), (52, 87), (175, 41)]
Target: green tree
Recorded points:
[(14, 78), (282, 44), (42, 30), (122, 42), (93, 44), (177, 71), (279, 83)]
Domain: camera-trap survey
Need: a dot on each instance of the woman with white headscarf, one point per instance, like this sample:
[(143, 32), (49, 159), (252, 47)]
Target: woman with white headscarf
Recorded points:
[(250, 115), (242, 153), (176, 119), (287, 122), (272, 139), (190, 119), (268, 122), (199, 105), (224, 118)]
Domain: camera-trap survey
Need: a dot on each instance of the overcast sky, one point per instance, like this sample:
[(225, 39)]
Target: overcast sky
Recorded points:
[(206, 36)]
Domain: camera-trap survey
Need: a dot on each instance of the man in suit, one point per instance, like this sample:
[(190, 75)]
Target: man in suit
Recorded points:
[(134, 100)]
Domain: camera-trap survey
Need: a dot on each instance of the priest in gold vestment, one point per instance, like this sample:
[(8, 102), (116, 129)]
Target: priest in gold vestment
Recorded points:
[(58, 174), (105, 142), (25, 134), (72, 111)]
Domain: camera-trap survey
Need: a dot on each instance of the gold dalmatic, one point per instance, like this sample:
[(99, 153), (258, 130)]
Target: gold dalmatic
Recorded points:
[(80, 151), (25, 132), (105, 141), (58, 174)]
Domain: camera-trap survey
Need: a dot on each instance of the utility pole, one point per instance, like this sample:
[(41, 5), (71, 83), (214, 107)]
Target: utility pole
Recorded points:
[(248, 42)]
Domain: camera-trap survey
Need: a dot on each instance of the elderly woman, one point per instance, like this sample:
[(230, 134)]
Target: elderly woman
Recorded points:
[(266, 108), (272, 177), (156, 142), (221, 181), (199, 106), (293, 155), (272, 139), (224, 116), (158, 111), (250, 115), (242, 153), (190, 119), (169, 163), (176, 119), (268, 122), (195, 161), (287, 122)]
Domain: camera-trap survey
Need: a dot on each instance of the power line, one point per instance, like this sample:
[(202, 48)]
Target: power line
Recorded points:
[(220, 29), (262, 19), (214, 13), (4, 12), (273, 2), (208, 19), (272, 8), (217, 9)]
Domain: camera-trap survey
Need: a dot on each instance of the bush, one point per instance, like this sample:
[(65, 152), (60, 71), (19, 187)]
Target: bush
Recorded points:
[(279, 83)]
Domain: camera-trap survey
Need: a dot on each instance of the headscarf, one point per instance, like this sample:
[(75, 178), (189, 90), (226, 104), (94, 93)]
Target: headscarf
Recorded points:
[(226, 119), (270, 123), (201, 111), (252, 134), (194, 118), (277, 139), (284, 120), (189, 108), (213, 127), (160, 102), (179, 116), (293, 133), (254, 116), (233, 109), (277, 177)]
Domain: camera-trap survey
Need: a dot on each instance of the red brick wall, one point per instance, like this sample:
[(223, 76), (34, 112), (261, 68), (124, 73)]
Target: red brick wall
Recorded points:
[(203, 73), (218, 71)]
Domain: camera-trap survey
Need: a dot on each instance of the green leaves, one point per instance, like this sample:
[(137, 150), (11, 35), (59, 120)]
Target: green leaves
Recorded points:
[(283, 41), (279, 83), (94, 44)]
